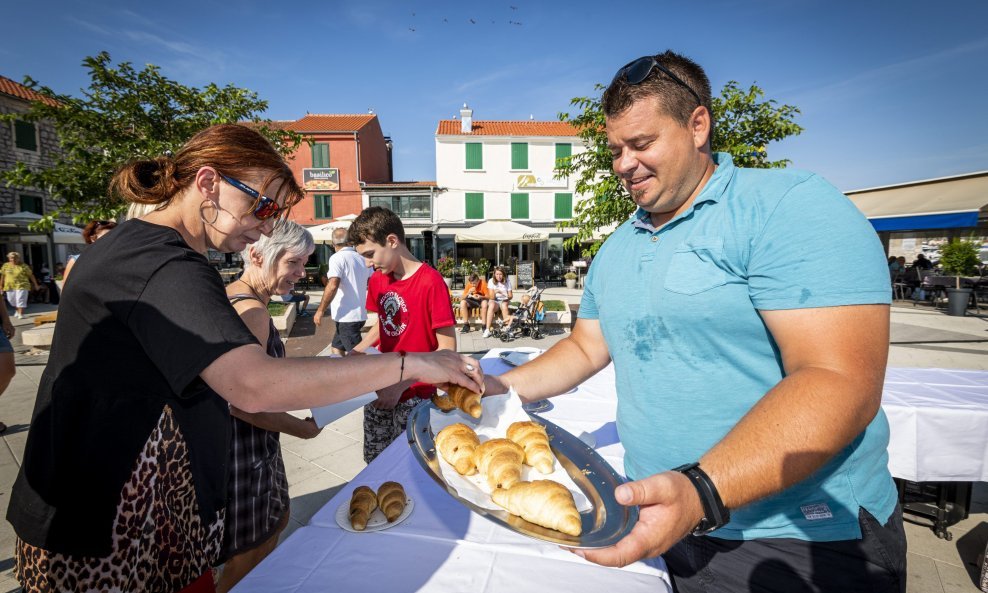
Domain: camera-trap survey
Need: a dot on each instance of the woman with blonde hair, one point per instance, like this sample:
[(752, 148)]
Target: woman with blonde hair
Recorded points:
[(123, 484), (501, 293), (18, 281), (258, 501)]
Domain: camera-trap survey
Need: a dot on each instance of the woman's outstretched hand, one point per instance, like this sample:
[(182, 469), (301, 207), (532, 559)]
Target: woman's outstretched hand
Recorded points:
[(445, 366)]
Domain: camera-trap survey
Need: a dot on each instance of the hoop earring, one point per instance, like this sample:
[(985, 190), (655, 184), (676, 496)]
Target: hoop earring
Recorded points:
[(202, 207)]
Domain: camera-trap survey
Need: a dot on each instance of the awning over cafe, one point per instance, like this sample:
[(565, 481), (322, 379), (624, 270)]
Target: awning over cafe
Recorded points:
[(500, 231), (323, 233), (950, 202), (18, 222)]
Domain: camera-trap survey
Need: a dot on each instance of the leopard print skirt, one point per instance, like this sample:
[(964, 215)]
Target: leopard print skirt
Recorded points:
[(159, 542)]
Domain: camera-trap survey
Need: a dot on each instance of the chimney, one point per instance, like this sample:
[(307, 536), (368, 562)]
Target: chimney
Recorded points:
[(466, 119)]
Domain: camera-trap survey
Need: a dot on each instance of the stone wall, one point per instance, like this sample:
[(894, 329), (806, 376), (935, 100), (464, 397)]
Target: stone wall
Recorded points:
[(45, 157)]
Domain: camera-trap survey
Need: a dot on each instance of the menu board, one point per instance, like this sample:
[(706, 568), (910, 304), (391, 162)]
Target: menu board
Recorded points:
[(526, 273)]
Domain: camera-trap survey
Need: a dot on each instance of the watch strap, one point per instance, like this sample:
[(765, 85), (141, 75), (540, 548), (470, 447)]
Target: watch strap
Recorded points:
[(715, 514)]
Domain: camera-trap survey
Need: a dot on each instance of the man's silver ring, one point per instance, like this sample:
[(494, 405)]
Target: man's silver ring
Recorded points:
[(470, 368)]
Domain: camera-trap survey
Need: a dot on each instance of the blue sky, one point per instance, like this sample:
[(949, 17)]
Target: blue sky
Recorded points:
[(889, 92)]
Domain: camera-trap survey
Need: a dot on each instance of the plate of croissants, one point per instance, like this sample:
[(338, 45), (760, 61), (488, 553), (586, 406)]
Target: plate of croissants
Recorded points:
[(519, 470), (369, 511)]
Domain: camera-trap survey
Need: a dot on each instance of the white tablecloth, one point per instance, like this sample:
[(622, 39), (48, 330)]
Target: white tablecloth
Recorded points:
[(939, 424), (939, 427), (442, 546)]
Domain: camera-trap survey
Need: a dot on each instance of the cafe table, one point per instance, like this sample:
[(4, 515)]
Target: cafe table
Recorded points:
[(938, 445), (442, 546)]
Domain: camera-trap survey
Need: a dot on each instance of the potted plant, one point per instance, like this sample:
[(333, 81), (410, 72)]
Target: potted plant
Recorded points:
[(483, 266), (959, 258), (570, 279), (445, 267)]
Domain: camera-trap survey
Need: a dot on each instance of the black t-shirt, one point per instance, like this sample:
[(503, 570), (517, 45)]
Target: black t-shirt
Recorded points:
[(141, 317)]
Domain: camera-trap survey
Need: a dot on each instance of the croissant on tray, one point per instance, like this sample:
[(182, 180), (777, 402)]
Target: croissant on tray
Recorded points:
[(533, 438), (362, 504), (391, 498), (459, 397), (542, 502), (499, 460), (457, 443)]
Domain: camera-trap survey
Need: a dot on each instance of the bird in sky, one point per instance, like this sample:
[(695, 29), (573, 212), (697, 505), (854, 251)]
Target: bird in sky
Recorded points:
[(473, 22)]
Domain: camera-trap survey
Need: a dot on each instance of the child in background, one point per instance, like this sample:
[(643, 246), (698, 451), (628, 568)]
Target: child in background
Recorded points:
[(414, 315), (475, 296)]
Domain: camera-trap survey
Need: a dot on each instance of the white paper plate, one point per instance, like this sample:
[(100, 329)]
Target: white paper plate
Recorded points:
[(377, 521)]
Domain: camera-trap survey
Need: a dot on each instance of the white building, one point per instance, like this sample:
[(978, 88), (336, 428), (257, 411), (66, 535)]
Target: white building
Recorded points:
[(504, 170)]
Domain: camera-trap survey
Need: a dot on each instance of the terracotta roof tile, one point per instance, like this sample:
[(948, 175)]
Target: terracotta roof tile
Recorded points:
[(326, 123), (15, 89), (451, 127)]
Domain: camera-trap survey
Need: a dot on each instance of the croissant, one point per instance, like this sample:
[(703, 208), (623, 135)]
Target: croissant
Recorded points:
[(500, 461), (459, 397), (391, 498), (362, 504), (542, 502), (533, 438), (457, 443)]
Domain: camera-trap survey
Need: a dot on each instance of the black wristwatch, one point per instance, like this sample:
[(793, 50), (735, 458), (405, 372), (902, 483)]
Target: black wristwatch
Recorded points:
[(715, 514)]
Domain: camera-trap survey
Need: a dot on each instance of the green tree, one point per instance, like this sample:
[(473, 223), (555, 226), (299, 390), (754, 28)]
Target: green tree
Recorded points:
[(124, 114), (744, 125)]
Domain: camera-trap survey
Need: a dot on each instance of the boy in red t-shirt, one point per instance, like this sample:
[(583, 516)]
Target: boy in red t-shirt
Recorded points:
[(414, 315)]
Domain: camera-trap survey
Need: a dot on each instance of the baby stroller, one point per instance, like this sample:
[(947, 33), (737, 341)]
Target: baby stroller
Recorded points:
[(527, 320)]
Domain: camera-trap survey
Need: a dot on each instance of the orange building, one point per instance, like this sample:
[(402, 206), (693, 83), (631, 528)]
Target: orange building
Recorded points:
[(338, 153)]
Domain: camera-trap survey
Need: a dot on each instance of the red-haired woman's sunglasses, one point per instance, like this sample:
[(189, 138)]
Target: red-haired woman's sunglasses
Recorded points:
[(264, 208)]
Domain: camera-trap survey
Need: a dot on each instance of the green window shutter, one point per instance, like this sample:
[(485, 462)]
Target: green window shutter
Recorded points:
[(320, 155), (519, 155), (564, 206), (32, 204), (25, 137), (475, 206), (563, 150), (324, 205), (519, 206), (475, 155)]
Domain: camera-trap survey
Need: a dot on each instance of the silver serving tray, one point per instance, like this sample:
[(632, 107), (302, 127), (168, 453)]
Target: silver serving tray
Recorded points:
[(543, 405), (603, 525)]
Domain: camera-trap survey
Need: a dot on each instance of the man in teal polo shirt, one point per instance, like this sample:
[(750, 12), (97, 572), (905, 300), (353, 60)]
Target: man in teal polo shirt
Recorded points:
[(749, 371)]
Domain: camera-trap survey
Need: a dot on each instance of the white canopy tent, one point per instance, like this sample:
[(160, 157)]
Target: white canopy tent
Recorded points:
[(500, 231), (323, 233), (62, 233)]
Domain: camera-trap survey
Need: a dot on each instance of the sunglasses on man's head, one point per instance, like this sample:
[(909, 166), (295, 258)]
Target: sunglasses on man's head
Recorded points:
[(264, 207), (636, 71)]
